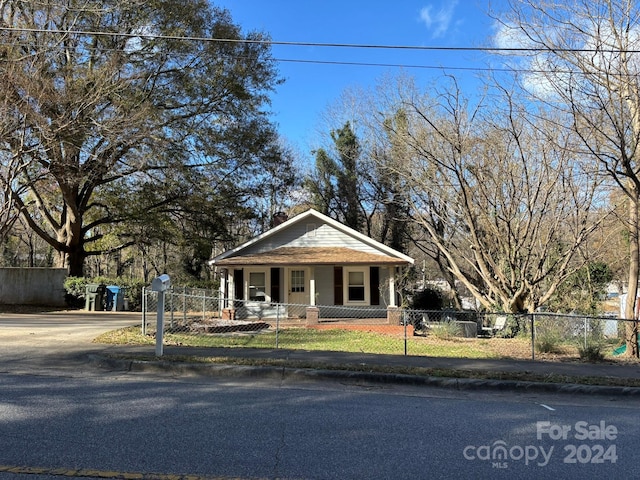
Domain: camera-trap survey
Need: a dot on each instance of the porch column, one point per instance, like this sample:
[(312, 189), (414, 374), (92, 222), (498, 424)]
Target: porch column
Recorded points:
[(229, 312), (392, 286), (286, 284), (312, 285), (231, 289), (223, 287)]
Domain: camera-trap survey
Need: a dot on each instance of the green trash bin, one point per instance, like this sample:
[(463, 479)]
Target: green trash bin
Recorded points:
[(94, 296)]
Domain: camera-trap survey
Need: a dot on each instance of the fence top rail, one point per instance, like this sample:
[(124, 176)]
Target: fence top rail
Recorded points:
[(577, 316), (211, 294)]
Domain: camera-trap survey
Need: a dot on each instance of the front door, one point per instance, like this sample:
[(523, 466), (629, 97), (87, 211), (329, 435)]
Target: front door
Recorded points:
[(298, 291)]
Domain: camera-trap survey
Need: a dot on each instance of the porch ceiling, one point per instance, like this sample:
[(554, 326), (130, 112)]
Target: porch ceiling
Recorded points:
[(311, 256)]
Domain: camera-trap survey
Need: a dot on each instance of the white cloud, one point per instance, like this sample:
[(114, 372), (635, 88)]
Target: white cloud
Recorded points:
[(534, 67), (438, 19), (542, 72), (509, 36)]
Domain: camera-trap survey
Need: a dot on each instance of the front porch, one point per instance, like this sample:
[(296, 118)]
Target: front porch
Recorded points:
[(309, 314), (349, 286)]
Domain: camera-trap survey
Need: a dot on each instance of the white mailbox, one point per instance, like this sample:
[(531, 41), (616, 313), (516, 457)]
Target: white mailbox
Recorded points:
[(161, 283)]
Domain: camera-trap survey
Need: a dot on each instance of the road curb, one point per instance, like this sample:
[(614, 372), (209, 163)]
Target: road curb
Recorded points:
[(281, 373)]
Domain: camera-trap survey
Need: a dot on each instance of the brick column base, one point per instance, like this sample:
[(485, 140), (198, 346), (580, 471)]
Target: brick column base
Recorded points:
[(313, 315), (394, 315)]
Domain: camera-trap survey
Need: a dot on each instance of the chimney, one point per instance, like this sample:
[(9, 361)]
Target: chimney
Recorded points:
[(279, 218)]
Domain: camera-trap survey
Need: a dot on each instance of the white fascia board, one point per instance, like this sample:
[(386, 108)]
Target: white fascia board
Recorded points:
[(330, 221), (364, 238), (267, 234)]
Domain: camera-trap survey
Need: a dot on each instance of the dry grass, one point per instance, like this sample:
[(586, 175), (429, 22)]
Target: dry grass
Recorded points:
[(365, 341), (341, 340)]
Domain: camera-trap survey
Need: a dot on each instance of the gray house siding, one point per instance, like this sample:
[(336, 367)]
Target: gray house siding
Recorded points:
[(309, 234), (324, 285)]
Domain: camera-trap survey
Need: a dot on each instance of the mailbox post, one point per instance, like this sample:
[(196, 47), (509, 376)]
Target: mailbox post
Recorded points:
[(160, 284)]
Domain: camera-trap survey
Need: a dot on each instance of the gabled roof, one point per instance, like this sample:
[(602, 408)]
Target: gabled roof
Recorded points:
[(311, 254)]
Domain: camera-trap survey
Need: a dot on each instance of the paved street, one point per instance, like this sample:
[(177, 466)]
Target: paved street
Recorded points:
[(66, 419), (55, 340)]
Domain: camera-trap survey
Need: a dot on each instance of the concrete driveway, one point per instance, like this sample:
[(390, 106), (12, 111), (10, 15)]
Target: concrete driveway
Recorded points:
[(53, 340)]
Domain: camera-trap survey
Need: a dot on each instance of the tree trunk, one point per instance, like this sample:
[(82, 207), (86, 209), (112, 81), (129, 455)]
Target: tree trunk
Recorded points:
[(72, 260), (631, 328)]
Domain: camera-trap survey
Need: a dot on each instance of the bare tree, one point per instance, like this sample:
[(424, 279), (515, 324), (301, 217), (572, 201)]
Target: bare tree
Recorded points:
[(584, 60), (12, 165), (9, 214), (501, 202), (349, 180)]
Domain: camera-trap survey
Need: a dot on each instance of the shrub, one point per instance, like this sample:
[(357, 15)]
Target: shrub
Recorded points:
[(591, 352), (75, 290), (445, 330), (427, 299), (516, 325), (548, 341), (133, 292), (75, 286)]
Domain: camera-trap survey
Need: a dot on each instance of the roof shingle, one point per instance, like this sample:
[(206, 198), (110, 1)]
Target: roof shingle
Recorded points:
[(311, 256)]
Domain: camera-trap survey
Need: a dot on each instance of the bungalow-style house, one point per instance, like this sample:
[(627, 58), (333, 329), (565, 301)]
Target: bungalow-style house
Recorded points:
[(311, 260)]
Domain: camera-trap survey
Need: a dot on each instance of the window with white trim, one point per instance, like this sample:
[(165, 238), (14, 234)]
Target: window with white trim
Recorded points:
[(257, 286), (356, 281)]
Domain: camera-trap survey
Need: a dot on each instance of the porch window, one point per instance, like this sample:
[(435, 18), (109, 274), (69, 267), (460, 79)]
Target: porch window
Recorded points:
[(257, 286), (356, 287)]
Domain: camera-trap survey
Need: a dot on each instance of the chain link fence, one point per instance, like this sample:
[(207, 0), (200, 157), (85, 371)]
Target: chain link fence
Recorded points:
[(200, 317)]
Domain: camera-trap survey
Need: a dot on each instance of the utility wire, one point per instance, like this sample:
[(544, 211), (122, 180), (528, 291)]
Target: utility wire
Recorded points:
[(319, 44), (347, 45), (426, 67), (443, 68)]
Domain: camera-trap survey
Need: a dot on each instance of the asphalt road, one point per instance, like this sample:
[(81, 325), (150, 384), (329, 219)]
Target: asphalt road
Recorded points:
[(55, 341), (66, 419)]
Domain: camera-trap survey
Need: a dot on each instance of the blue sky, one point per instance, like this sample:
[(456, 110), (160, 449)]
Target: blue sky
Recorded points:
[(310, 88)]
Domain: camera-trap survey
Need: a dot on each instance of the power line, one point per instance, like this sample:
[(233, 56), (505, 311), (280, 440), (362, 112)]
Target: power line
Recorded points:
[(344, 45), (320, 44), (443, 68), (426, 67)]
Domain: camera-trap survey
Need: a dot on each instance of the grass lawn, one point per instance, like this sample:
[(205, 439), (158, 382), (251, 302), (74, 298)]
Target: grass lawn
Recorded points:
[(335, 340), (369, 342)]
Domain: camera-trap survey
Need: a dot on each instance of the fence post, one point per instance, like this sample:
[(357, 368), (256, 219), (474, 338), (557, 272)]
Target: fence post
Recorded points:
[(586, 326), (403, 316), (171, 306), (533, 336), (277, 323), (144, 310), (184, 305)]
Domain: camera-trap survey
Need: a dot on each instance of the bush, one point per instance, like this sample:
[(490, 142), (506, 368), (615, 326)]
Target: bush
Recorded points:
[(75, 290), (445, 330), (516, 325), (591, 352), (548, 341), (427, 299), (133, 292)]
